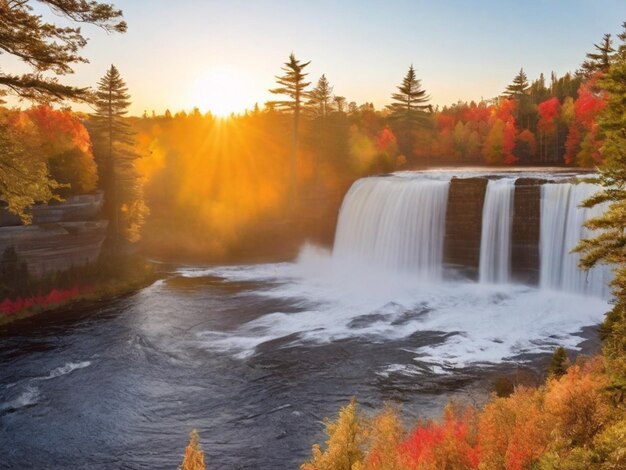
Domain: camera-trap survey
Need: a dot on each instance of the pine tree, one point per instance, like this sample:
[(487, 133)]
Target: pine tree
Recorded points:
[(340, 102), (621, 48), (46, 47), (321, 98), (609, 246), (519, 87), (410, 99), (113, 141), (558, 363), (598, 61), (293, 85)]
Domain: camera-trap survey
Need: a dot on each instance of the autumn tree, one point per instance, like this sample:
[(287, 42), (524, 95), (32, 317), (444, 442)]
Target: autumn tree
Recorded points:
[(24, 176), (293, 86), (194, 456), (321, 98), (48, 51), (600, 59), (47, 48), (113, 141), (344, 447), (609, 245), (65, 143)]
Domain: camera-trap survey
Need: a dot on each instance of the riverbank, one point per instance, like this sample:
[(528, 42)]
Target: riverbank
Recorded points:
[(106, 284)]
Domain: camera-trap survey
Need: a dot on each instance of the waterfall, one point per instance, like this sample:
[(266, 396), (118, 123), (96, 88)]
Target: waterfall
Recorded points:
[(495, 241), (561, 229), (395, 223)]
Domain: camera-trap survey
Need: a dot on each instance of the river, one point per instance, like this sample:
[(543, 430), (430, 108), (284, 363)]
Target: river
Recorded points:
[(255, 356)]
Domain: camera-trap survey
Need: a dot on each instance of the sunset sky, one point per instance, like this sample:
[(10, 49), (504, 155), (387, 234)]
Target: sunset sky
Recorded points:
[(223, 55)]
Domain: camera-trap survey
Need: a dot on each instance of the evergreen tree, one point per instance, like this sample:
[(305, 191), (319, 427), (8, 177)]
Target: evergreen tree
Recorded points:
[(609, 246), (340, 102), (598, 61), (558, 363), (621, 48), (410, 101), (321, 98), (113, 141), (520, 90), (293, 86), (46, 47), (519, 87)]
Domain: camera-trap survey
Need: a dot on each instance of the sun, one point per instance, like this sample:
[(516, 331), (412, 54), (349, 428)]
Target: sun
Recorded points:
[(220, 91)]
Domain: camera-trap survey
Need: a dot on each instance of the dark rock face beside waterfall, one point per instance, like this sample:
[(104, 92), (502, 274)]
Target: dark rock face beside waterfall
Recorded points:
[(525, 230), (464, 221), (466, 197), (62, 235)]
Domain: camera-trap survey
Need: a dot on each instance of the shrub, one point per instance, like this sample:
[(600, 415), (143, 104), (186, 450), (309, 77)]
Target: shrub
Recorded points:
[(194, 456)]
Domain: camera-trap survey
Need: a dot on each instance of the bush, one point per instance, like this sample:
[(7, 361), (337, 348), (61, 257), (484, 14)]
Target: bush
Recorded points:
[(194, 456)]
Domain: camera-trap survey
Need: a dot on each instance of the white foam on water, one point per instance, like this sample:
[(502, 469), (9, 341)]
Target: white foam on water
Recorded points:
[(65, 369), (28, 397), (486, 323)]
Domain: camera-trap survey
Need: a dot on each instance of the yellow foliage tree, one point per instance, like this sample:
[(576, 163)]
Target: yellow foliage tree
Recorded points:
[(344, 445), (194, 455)]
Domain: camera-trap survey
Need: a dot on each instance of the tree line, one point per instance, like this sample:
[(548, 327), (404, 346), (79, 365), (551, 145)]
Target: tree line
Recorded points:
[(238, 180)]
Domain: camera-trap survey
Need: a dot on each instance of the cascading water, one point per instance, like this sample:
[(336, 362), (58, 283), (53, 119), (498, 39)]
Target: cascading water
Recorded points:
[(495, 242), (561, 229), (394, 223)]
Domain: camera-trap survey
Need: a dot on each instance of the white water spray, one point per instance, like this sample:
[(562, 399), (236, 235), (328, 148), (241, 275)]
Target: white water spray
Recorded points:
[(495, 241), (562, 228), (394, 223)]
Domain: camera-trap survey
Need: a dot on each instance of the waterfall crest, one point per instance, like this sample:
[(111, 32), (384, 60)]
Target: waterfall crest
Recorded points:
[(394, 223), (495, 241), (398, 223)]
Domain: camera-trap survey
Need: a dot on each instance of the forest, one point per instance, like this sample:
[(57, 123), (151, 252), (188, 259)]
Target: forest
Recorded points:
[(205, 192), (219, 179)]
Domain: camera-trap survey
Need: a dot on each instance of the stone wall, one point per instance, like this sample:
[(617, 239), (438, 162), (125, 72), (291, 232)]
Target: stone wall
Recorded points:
[(55, 247), (464, 221), (73, 209), (525, 230), (62, 235), (464, 225)]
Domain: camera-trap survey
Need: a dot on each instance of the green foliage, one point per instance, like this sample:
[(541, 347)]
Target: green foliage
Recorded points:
[(609, 245), (24, 177), (519, 86), (114, 148), (321, 98), (503, 386), (410, 101), (74, 169), (559, 362), (598, 61), (46, 47), (292, 85)]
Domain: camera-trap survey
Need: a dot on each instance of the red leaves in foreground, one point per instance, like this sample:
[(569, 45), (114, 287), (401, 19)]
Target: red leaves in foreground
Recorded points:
[(53, 298), (571, 420), (440, 445)]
